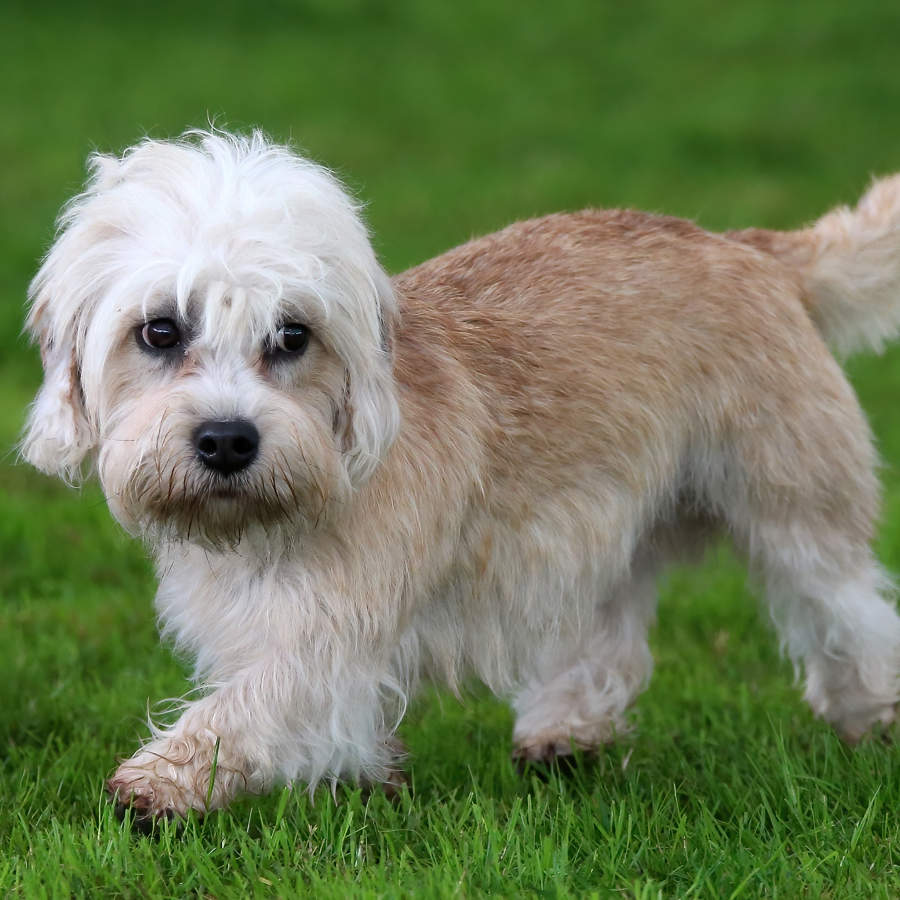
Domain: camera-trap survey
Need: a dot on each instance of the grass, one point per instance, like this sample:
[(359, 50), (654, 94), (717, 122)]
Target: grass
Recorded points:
[(450, 120)]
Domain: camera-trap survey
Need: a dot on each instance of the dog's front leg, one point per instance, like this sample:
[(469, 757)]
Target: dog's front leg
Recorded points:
[(284, 718)]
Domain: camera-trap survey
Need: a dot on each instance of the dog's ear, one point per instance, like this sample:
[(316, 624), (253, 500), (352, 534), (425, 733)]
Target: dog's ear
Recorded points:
[(58, 435), (369, 417)]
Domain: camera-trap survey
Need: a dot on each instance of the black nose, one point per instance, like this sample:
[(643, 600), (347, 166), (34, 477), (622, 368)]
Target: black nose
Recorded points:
[(227, 447)]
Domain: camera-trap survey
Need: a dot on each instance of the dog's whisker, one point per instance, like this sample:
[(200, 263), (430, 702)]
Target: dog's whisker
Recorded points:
[(283, 468)]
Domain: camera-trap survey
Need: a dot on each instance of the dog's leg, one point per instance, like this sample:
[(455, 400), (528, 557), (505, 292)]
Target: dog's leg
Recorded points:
[(197, 763), (837, 622), (801, 497), (831, 605), (580, 688), (272, 722)]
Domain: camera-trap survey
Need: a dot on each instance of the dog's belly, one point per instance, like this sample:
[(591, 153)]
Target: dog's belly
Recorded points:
[(567, 572)]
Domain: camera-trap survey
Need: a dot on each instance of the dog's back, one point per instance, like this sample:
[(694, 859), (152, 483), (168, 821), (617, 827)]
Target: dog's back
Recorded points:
[(617, 374)]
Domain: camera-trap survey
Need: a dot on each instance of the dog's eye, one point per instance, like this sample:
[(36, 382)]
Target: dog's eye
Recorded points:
[(161, 334), (291, 338)]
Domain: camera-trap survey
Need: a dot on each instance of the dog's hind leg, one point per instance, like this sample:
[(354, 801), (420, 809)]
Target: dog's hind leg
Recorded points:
[(801, 498), (580, 686), (836, 620)]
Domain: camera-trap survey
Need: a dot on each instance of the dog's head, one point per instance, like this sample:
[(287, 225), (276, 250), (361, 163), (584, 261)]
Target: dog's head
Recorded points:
[(215, 332)]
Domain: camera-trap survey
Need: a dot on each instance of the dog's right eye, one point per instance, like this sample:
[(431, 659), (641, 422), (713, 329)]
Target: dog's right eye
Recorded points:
[(161, 334)]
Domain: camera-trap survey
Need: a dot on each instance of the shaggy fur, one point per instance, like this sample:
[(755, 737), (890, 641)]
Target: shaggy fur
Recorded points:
[(477, 468)]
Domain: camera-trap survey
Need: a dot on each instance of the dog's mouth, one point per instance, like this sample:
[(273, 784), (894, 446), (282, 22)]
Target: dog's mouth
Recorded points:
[(241, 498), (218, 516), (223, 491), (198, 505)]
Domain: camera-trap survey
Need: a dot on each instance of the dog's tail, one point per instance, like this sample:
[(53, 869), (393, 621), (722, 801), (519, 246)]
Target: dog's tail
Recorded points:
[(849, 261)]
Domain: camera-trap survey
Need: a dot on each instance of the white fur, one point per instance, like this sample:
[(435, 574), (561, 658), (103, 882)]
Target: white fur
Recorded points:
[(851, 267)]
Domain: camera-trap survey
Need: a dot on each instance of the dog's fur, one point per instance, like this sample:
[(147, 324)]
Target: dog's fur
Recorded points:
[(476, 468)]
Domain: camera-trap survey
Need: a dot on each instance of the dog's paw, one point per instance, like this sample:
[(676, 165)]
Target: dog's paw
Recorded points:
[(394, 779), (852, 707), (543, 758), (139, 809), (875, 724), (149, 794), (560, 740), (172, 776), (542, 751)]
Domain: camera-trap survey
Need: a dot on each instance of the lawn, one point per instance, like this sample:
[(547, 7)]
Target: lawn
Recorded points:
[(449, 120)]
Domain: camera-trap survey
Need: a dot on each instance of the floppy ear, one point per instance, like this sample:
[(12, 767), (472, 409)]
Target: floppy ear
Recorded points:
[(370, 415), (58, 435)]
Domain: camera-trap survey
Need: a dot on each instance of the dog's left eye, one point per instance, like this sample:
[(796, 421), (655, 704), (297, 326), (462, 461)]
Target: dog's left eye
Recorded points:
[(291, 338), (161, 334)]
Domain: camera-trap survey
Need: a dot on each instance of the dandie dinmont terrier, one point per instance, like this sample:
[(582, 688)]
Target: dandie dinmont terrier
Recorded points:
[(478, 467)]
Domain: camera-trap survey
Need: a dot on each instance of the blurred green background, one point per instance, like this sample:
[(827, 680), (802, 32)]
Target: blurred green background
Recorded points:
[(449, 120)]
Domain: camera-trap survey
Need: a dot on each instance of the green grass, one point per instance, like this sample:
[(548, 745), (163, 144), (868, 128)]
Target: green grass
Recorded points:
[(450, 120)]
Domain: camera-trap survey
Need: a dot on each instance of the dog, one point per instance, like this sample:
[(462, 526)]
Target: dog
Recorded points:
[(350, 482)]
